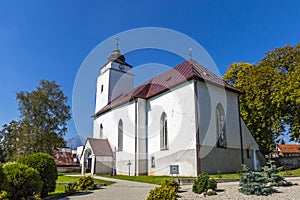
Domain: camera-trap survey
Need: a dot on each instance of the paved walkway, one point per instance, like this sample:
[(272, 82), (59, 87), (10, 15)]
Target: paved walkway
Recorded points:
[(123, 190)]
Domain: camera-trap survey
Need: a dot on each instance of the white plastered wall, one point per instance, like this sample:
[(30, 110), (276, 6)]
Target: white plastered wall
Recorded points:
[(178, 104)]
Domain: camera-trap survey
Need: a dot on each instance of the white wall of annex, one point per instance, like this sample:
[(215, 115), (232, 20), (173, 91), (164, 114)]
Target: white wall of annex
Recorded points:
[(110, 121)]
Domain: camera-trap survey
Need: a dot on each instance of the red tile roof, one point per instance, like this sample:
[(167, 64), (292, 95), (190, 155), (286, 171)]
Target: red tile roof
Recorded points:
[(289, 148), (63, 157), (188, 70), (100, 147)]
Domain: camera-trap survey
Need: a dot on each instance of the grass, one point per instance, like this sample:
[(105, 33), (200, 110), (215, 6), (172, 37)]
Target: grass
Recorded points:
[(295, 172), (158, 179), (144, 179), (225, 176), (60, 188)]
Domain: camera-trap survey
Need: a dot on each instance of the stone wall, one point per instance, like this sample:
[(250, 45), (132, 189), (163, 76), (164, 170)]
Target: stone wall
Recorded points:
[(288, 162)]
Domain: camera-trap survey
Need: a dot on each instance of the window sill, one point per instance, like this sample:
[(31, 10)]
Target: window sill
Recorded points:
[(164, 149)]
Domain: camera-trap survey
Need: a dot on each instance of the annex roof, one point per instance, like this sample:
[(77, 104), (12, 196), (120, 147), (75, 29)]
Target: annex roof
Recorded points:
[(188, 70), (100, 147), (289, 148)]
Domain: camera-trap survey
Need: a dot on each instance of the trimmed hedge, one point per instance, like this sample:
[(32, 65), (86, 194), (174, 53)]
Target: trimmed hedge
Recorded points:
[(23, 181), (47, 168)]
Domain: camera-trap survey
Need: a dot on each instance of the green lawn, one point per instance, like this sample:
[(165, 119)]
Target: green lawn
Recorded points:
[(158, 179), (225, 176), (295, 172), (145, 179), (60, 188)]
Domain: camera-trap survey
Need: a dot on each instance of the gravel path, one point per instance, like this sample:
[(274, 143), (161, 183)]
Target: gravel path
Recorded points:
[(129, 190), (230, 191)]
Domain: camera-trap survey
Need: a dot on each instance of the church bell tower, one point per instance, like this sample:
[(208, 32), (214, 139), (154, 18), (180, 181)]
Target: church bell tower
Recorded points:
[(114, 80)]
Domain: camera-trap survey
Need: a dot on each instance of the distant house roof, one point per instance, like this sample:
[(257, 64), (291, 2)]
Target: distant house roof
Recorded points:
[(100, 147), (188, 70), (289, 148), (63, 157)]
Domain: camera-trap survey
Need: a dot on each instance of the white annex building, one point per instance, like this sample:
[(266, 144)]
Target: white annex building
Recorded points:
[(184, 121)]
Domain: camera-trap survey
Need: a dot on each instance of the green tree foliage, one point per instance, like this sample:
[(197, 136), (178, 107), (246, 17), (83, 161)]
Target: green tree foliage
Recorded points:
[(270, 102), (43, 119), (3, 179), (47, 168), (23, 181)]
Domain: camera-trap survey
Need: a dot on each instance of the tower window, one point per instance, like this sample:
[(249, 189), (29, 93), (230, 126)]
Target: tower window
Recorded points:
[(101, 88), (163, 132)]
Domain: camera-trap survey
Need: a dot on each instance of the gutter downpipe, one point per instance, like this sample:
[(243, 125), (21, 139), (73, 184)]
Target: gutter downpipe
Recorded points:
[(197, 128)]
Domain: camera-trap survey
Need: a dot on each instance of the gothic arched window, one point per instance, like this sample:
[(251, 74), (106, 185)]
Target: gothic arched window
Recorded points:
[(163, 132), (221, 127), (120, 135), (101, 131)]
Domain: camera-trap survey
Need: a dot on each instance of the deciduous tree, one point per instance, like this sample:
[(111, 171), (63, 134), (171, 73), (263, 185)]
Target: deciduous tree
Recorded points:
[(43, 122), (270, 103)]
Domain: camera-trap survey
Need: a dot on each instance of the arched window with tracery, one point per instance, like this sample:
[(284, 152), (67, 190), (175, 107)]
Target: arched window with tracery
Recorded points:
[(163, 132), (120, 135), (221, 127)]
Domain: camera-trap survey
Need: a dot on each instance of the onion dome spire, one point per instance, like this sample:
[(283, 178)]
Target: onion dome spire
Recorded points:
[(116, 55)]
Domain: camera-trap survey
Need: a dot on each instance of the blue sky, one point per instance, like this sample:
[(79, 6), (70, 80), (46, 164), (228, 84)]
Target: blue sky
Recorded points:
[(50, 39)]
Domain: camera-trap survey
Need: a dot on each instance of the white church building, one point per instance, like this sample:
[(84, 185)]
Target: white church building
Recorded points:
[(185, 121)]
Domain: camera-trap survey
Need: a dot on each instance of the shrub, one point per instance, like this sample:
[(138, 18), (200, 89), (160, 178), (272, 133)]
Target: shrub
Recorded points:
[(3, 195), (166, 193), (170, 183), (203, 183), (253, 183), (23, 181), (168, 190), (71, 187), (47, 168), (86, 183), (3, 179), (271, 172)]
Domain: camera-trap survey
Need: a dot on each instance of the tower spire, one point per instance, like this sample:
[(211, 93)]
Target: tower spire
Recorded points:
[(116, 54)]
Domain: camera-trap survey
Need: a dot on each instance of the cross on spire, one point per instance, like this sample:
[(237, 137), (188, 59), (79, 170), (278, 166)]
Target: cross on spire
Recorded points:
[(117, 43), (190, 52)]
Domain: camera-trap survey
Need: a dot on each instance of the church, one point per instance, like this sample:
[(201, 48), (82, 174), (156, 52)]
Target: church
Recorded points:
[(185, 121)]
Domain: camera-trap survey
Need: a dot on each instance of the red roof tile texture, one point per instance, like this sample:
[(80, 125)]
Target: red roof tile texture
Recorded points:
[(289, 148), (63, 157), (188, 70)]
